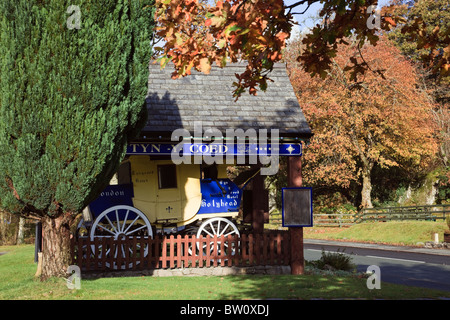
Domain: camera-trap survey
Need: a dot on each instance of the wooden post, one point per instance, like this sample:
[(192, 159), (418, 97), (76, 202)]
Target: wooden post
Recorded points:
[(258, 203), (296, 233), (39, 266)]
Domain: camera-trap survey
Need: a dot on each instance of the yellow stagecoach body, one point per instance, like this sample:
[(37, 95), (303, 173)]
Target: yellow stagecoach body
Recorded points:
[(166, 196), (165, 202)]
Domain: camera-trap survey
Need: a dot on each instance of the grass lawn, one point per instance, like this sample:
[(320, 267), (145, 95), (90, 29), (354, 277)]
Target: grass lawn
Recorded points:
[(17, 281), (392, 232)]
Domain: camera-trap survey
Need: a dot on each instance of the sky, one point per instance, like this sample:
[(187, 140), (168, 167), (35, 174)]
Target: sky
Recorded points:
[(307, 20)]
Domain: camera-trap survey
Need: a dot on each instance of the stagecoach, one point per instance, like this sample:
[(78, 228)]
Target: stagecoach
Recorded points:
[(151, 195), (156, 196)]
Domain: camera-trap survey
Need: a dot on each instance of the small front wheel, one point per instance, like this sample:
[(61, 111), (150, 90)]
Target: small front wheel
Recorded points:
[(217, 227)]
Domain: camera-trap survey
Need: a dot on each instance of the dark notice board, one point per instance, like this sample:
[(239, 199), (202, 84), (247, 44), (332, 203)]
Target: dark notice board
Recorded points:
[(297, 207)]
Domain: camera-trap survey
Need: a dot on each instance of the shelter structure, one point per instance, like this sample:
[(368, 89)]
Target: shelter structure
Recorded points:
[(175, 179), (207, 99)]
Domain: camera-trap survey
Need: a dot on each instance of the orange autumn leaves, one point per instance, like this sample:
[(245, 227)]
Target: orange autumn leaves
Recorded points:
[(197, 35), (373, 121)]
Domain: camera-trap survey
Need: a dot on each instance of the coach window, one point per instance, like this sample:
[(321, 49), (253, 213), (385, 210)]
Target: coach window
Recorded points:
[(167, 176), (124, 173)]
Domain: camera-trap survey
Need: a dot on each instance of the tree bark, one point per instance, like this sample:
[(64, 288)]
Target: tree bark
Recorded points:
[(366, 199), (56, 237), (21, 230), (3, 225)]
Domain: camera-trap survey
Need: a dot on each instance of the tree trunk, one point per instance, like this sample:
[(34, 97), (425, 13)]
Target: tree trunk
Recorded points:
[(366, 199), (3, 225), (56, 245), (21, 230)]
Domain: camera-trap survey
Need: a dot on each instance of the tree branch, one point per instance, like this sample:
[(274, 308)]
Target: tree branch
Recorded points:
[(299, 3), (379, 72), (299, 12)]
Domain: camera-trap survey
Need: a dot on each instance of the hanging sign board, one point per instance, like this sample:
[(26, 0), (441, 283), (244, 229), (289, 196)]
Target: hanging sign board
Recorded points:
[(297, 207), (192, 149)]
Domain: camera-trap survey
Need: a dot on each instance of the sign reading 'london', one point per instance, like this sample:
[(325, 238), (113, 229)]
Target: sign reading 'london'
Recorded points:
[(284, 149)]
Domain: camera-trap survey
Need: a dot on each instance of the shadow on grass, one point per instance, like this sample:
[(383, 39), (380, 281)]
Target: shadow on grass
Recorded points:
[(296, 287), (321, 287)]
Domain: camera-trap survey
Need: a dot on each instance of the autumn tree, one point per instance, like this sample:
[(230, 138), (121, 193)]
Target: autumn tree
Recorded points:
[(430, 49), (431, 45), (72, 93), (197, 34), (374, 121)]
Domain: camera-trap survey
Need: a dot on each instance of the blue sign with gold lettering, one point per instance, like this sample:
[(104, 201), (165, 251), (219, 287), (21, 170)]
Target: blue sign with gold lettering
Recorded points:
[(220, 195), (224, 149)]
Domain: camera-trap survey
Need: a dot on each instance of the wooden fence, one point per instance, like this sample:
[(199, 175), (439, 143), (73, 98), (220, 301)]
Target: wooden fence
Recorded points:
[(323, 220), (426, 212), (334, 220), (139, 253), (429, 212)]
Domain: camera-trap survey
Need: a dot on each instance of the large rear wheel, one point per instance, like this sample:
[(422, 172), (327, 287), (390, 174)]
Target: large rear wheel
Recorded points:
[(120, 223)]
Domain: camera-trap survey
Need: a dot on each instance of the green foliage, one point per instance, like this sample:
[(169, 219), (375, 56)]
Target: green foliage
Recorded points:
[(393, 232), (433, 12), (334, 261), (69, 99), (443, 196), (436, 17), (331, 203), (278, 181)]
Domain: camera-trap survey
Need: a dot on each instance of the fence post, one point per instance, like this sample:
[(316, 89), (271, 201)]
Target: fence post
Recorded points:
[(200, 251), (172, 251), (238, 252), (103, 254), (230, 250), (193, 251), (134, 250), (143, 243), (208, 250), (164, 252), (215, 253), (244, 244)]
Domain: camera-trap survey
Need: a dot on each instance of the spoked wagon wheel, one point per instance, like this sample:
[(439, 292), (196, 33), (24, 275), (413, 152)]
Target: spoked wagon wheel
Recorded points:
[(121, 222), (219, 227)]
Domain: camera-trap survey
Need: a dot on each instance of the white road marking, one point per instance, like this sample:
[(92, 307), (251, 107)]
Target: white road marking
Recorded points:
[(406, 260), (325, 251)]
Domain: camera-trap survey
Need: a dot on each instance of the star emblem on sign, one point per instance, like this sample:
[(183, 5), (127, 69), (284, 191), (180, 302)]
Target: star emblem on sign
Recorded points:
[(290, 149)]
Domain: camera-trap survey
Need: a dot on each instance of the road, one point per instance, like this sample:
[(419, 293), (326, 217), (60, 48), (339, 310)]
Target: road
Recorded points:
[(420, 267)]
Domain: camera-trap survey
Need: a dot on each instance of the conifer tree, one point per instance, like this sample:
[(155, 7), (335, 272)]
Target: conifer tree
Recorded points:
[(73, 81)]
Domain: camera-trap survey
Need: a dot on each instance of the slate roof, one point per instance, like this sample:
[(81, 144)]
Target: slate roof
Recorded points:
[(174, 104)]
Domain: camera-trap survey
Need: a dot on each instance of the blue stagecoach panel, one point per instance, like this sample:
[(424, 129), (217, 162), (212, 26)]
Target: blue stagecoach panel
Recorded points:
[(113, 195), (219, 199)]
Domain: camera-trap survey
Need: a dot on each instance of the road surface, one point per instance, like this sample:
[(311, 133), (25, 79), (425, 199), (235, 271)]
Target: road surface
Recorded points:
[(419, 267)]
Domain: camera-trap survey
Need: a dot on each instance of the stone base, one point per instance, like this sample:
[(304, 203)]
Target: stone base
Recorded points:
[(440, 245), (192, 272)]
